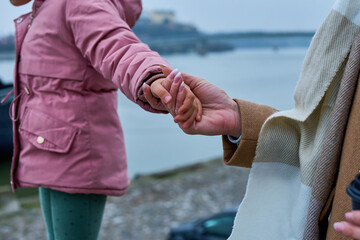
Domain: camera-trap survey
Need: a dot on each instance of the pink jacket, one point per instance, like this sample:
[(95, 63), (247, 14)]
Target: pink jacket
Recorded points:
[(71, 57)]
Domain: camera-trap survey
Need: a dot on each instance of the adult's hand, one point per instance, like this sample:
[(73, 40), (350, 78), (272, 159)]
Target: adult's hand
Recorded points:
[(351, 227), (220, 114)]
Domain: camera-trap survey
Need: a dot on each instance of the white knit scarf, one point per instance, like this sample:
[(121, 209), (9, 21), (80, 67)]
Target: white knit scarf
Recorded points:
[(276, 202)]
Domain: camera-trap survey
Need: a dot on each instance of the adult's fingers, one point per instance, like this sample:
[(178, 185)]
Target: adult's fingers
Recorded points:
[(169, 80), (180, 97), (348, 229), (192, 81), (353, 217), (173, 74), (174, 90), (165, 69)]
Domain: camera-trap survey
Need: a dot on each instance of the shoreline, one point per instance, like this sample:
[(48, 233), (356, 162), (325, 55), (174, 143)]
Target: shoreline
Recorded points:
[(7, 56), (153, 204)]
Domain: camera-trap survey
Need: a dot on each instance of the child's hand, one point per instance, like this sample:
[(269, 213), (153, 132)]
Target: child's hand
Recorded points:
[(157, 96), (185, 105)]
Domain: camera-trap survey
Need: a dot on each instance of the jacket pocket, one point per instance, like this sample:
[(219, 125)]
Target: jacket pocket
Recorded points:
[(46, 132)]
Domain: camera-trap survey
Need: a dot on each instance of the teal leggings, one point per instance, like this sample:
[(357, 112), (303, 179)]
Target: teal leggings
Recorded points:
[(71, 216)]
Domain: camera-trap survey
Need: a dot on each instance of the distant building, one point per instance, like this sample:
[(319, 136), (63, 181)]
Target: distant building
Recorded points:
[(157, 25), (161, 17)]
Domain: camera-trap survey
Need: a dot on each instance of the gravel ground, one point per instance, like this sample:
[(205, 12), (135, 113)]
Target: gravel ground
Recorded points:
[(152, 206)]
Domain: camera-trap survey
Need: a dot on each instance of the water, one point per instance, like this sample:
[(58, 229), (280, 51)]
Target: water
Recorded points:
[(154, 143)]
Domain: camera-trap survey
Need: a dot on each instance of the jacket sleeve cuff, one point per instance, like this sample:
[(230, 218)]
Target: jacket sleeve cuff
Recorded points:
[(253, 117)]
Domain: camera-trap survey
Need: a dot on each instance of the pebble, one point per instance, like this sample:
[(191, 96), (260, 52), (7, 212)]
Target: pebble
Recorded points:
[(152, 206)]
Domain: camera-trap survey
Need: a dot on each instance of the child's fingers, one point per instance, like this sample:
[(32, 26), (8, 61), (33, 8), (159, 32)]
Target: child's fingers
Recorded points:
[(185, 114), (188, 103), (199, 108), (153, 101), (158, 90), (187, 109), (188, 106), (190, 121), (197, 103), (148, 95), (188, 116)]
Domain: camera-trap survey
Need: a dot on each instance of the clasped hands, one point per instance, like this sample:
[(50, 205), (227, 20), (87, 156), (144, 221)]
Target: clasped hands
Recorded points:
[(198, 106)]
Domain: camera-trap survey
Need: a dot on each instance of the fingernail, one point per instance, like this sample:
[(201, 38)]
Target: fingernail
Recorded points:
[(167, 99), (163, 66), (181, 88), (173, 73), (349, 216), (143, 86), (338, 226), (177, 77)]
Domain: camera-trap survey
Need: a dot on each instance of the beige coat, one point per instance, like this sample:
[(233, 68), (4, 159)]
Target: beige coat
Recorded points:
[(253, 117)]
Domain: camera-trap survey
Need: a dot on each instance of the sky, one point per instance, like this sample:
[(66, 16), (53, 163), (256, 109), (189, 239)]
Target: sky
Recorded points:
[(221, 15)]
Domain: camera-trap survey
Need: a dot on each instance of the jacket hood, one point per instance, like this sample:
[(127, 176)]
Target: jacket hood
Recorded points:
[(132, 10)]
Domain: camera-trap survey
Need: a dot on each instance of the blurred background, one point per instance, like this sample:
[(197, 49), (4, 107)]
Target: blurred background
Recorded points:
[(253, 49)]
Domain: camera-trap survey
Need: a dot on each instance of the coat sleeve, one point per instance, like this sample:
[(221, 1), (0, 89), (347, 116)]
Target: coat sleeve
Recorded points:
[(105, 39), (253, 117)]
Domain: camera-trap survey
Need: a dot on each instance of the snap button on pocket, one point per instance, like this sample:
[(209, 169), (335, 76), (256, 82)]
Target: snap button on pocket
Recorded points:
[(40, 140), (27, 90)]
